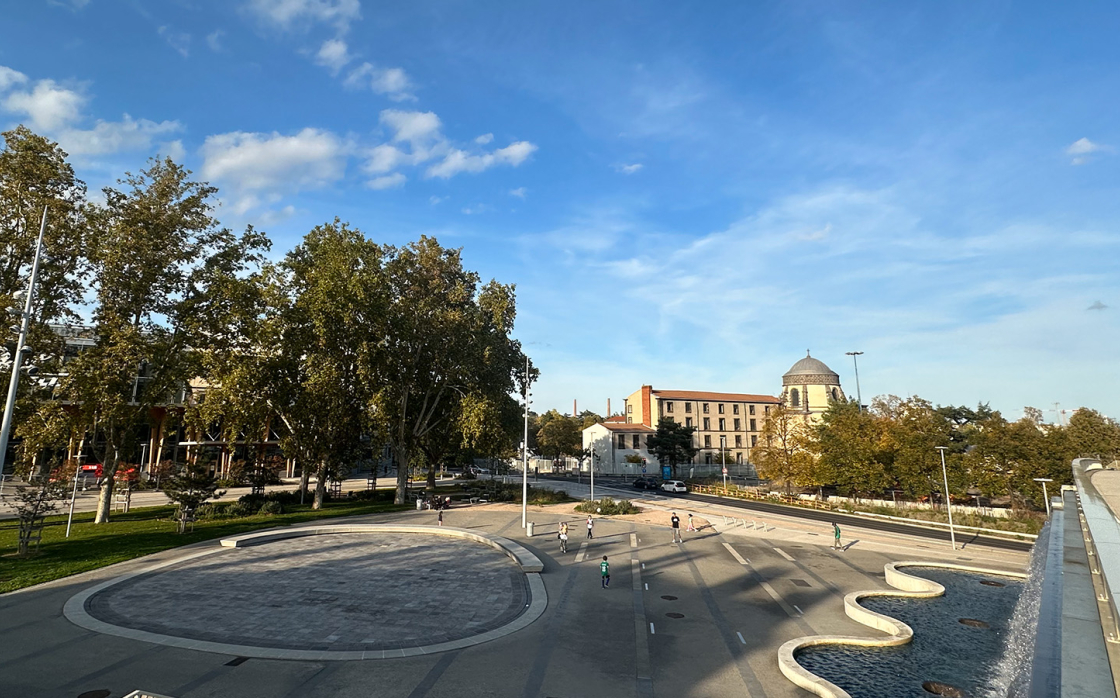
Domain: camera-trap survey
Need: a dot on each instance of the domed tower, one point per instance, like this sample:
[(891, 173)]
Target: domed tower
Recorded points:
[(809, 387)]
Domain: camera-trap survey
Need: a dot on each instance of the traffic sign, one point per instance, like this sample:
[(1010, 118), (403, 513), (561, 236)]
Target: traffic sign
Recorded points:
[(725, 471)]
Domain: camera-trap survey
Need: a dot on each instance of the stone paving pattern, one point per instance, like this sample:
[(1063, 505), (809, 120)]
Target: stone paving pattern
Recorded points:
[(337, 592)]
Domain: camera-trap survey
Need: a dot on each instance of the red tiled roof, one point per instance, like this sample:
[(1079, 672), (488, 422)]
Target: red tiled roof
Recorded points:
[(701, 395), (616, 418)]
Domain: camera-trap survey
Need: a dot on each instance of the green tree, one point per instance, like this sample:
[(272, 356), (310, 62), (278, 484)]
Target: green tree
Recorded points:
[(151, 249), (446, 338), (784, 449), (1091, 434), (914, 430), (559, 435), (672, 445), (852, 450), (190, 488)]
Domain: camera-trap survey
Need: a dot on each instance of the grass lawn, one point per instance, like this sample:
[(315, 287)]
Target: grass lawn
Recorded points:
[(137, 533)]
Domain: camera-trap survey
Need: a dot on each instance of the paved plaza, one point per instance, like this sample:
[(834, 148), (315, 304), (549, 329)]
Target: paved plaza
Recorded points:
[(702, 618)]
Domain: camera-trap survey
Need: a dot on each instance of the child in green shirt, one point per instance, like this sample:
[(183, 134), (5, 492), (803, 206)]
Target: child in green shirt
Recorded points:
[(605, 569)]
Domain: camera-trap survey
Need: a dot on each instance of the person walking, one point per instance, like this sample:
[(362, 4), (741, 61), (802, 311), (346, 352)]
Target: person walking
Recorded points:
[(564, 537), (676, 521), (590, 525), (836, 536), (440, 517), (605, 571), (691, 526)]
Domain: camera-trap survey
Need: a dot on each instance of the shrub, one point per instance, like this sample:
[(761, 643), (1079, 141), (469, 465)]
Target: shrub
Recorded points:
[(271, 507), (541, 496), (608, 507)]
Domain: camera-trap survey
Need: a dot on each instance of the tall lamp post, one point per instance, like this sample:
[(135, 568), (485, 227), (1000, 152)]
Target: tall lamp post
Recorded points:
[(1045, 480), (21, 347), (948, 502), (525, 450), (859, 397), (723, 457)]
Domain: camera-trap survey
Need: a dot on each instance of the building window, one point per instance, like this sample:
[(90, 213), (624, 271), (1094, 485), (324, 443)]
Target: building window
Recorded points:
[(629, 420), (688, 407), (738, 441), (705, 408), (669, 407), (754, 425), (794, 398), (751, 409), (688, 422), (720, 409), (754, 441), (738, 424), (708, 459), (739, 458), (734, 409), (722, 424), (708, 444), (637, 445), (835, 394), (766, 409), (629, 409), (622, 440), (707, 424)]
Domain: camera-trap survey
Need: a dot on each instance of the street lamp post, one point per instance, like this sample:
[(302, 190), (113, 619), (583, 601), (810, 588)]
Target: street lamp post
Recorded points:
[(1045, 480), (525, 451), (21, 345), (948, 502), (859, 397)]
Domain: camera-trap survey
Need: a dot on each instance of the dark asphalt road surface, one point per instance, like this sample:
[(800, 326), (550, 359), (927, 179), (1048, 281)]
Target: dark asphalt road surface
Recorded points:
[(846, 520)]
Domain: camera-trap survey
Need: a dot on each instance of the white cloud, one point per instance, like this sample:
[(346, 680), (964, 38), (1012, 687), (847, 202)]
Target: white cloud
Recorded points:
[(71, 4), (475, 210), (435, 200), (115, 136), (48, 106), (628, 169), (518, 192), (457, 161), (289, 14), (393, 82), (333, 54), (387, 182), (180, 41), (412, 126), (9, 77), (1082, 148), (173, 150), (272, 162), (484, 138), (214, 40)]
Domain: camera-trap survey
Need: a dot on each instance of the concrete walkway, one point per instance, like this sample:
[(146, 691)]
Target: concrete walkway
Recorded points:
[(702, 618)]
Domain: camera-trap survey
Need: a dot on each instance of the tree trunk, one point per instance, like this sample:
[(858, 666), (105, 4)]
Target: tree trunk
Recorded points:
[(320, 486), (105, 496), (304, 478), (400, 452), (432, 476)]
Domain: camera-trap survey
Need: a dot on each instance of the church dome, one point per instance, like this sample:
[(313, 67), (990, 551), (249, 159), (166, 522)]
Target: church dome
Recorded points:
[(810, 371)]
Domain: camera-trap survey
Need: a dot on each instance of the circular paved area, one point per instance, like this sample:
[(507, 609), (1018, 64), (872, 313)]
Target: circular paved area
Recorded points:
[(337, 593)]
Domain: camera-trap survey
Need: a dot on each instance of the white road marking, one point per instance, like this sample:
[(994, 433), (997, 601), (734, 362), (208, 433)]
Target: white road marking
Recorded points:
[(799, 609), (633, 540), (781, 602), (784, 554), (582, 553), (735, 554), (741, 638), (651, 630)]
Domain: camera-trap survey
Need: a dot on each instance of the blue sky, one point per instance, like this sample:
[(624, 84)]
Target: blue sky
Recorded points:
[(687, 195)]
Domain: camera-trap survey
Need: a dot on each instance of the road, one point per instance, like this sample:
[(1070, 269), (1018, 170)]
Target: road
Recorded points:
[(844, 520)]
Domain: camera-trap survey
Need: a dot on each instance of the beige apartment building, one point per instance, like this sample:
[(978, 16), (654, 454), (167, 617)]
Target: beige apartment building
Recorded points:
[(731, 420)]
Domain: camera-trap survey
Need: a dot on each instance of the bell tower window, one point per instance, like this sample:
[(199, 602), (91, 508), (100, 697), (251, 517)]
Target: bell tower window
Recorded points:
[(794, 398)]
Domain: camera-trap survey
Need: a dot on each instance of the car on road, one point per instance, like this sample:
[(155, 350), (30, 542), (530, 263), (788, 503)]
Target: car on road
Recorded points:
[(674, 486), (645, 483)]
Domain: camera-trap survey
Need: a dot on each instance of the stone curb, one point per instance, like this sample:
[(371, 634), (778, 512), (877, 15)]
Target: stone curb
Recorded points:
[(75, 607), (898, 633)]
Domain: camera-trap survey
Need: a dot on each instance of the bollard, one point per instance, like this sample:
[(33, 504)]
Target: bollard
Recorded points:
[(419, 504), (528, 529)]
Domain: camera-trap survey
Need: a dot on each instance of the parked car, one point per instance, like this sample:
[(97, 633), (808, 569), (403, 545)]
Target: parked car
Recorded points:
[(645, 483), (674, 486)]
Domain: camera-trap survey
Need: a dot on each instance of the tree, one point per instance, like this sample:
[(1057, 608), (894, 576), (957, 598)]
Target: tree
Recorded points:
[(783, 451), (915, 429), (446, 338), (559, 435), (672, 445), (852, 450), (190, 488), (32, 503), (151, 249), (1093, 435)]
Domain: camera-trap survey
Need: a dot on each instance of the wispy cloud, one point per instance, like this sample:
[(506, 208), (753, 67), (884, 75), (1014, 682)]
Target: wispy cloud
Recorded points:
[(299, 15), (484, 138), (518, 192), (628, 169), (214, 40), (387, 182), (333, 54), (180, 41), (391, 82), (1082, 149)]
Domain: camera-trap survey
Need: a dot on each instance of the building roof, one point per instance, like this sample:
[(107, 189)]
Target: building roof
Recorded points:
[(616, 418), (810, 367), (616, 426), (702, 395)]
